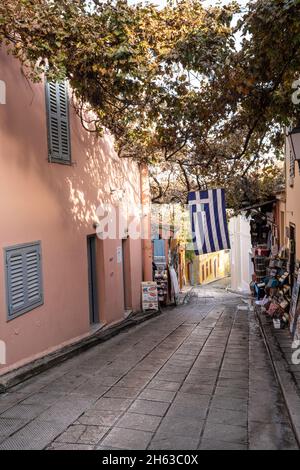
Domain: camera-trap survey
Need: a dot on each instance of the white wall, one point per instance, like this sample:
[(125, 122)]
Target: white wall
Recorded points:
[(241, 266)]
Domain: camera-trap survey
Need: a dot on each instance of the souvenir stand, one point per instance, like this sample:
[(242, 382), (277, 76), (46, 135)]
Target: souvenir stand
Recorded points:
[(271, 284)]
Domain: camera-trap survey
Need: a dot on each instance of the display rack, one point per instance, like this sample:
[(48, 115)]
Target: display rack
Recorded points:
[(161, 279)]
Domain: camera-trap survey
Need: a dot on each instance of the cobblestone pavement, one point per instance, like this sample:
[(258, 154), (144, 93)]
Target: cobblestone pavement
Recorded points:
[(196, 377)]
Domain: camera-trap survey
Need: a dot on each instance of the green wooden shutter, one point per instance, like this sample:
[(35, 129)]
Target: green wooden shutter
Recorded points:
[(23, 278), (58, 122)]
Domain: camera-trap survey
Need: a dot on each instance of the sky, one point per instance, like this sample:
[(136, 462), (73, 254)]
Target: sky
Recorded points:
[(205, 2), (223, 2)]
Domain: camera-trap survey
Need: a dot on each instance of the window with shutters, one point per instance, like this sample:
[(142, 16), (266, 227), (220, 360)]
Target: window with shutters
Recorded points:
[(58, 122), (23, 278)]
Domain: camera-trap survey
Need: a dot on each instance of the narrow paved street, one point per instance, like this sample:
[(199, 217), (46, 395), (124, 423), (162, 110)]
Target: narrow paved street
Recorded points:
[(196, 377)]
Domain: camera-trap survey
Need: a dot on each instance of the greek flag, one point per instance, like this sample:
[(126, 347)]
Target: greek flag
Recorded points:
[(208, 220)]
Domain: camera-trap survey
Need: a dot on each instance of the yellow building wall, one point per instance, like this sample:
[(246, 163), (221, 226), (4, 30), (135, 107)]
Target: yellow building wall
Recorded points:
[(210, 267), (281, 220)]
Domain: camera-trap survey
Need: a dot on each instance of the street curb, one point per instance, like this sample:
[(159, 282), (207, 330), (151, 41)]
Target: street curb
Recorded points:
[(287, 385), (33, 368)]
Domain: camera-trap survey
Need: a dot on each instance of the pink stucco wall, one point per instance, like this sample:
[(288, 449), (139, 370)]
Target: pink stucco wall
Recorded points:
[(56, 204), (292, 213)]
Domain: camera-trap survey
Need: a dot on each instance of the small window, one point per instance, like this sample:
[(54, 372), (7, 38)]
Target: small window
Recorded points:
[(57, 101), (23, 278)]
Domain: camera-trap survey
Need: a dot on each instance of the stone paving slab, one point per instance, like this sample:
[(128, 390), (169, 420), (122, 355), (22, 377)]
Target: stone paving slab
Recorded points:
[(27, 412), (10, 425), (70, 447), (225, 432), (209, 444), (148, 407), (139, 421), (127, 439), (196, 377), (35, 435), (173, 443), (188, 426), (94, 417)]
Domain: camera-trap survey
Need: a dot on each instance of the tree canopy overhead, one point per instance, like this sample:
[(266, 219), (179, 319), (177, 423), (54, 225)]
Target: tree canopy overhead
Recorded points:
[(171, 84)]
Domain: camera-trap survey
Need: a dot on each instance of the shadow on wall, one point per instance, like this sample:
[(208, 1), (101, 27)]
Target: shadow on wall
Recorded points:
[(96, 169), (100, 173)]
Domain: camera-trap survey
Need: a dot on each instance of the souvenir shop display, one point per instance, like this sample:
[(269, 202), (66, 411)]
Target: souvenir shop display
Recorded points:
[(161, 279), (271, 285), (260, 261), (260, 229), (274, 272), (295, 307), (149, 296)]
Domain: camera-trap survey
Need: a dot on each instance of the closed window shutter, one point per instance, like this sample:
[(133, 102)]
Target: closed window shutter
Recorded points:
[(16, 278), (24, 278), (58, 121), (33, 274)]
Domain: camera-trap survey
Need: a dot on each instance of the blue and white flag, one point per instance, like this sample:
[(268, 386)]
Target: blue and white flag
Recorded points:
[(208, 220)]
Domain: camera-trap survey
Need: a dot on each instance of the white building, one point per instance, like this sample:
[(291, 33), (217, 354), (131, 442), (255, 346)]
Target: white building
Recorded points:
[(241, 252)]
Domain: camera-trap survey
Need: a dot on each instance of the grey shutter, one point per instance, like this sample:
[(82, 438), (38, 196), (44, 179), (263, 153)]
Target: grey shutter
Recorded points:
[(58, 121), (24, 278), (15, 282), (33, 274)]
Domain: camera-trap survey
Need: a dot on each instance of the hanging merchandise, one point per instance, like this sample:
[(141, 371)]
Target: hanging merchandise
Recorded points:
[(174, 283), (272, 290), (260, 266), (161, 280), (272, 280), (260, 230)]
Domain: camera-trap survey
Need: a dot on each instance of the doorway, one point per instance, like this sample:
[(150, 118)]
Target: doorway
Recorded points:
[(92, 279)]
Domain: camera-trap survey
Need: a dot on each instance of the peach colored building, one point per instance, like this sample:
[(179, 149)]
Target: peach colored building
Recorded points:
[(280, 218), (208, 268), (288, 207), (58, 280)]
